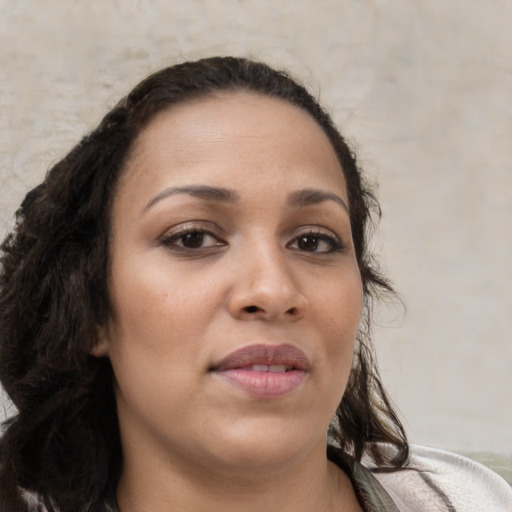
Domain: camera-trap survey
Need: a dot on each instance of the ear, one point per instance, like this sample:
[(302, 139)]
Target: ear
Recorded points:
[(100, 348)]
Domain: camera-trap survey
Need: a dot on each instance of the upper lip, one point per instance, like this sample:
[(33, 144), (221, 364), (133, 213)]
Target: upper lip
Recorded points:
[(244, 357)]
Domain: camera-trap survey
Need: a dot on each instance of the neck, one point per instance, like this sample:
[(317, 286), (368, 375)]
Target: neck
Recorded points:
[(311, 484)]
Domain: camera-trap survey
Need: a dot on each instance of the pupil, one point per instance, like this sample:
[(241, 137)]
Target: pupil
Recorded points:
[(193, 240), (308, 243)]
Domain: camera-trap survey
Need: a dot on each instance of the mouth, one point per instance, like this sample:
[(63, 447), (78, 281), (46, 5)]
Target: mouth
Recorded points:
[(272, 368), (264, 371)]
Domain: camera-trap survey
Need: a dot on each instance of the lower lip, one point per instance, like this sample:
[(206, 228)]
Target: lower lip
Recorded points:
[(265, 385)]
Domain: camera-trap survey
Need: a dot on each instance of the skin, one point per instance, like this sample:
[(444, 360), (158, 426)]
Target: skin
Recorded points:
[(191, 439)]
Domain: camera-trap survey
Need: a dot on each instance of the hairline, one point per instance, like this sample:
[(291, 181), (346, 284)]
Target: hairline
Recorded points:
[(198, 97)]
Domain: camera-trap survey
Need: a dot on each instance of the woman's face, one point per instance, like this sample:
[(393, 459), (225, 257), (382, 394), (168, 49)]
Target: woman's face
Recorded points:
[(234, 283)]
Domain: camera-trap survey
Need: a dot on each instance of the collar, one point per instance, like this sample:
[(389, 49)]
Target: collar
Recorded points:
[(370, 493)]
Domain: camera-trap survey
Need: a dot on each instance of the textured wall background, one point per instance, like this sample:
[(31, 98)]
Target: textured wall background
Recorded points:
[(424, 91)]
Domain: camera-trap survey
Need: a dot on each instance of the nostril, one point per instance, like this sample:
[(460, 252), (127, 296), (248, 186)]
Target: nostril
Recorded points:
[(252, 309)]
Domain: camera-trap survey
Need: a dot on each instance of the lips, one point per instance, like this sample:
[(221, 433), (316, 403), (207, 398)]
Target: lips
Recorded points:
[(264, 371)]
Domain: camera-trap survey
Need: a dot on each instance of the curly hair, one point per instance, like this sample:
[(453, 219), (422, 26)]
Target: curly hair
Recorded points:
[(63, 445)]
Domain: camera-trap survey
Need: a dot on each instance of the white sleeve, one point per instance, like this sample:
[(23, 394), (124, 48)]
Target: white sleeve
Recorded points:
[(445, 482)]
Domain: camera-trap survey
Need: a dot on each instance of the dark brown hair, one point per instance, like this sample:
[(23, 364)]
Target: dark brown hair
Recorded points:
[(63, 444)]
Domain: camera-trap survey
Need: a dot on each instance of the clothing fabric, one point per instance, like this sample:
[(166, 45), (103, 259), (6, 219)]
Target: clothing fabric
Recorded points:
[(433, 481)]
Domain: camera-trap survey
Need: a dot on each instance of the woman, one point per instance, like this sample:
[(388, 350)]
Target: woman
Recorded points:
[(185, 308)]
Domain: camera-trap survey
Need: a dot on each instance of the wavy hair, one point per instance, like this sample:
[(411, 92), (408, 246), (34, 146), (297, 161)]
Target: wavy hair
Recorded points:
[(63, 445)]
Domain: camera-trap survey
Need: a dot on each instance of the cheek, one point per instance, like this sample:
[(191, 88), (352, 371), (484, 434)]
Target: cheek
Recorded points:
[(340, 305), (340, 314), (337, 314), (160, 311)]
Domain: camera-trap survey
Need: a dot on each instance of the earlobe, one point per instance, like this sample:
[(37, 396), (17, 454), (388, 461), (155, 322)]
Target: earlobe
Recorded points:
[(100, 348)]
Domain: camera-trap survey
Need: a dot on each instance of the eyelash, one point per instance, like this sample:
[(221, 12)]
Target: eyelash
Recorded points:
[(171, 240), (333, 241)]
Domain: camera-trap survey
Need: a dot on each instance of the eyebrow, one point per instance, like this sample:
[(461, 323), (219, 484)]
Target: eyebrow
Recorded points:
[(298, 199), (313, 196), (222, 195)]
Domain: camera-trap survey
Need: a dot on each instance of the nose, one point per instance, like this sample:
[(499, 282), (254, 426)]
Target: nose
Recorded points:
[(265, 289)]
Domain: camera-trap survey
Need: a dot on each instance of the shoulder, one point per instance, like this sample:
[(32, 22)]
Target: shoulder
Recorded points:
[(437, 480)]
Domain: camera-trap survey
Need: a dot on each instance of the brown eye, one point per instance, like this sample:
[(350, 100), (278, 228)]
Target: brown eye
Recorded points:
[(313, 242), (192, 240), (308, 243)]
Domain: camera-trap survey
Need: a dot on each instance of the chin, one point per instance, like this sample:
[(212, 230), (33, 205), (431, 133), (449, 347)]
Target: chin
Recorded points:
[(268, 446)]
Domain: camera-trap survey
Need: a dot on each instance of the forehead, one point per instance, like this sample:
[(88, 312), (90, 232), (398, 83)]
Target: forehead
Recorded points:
[(231, 135)]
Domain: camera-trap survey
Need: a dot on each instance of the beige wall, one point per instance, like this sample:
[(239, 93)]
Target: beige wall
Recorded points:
[(422, 88)]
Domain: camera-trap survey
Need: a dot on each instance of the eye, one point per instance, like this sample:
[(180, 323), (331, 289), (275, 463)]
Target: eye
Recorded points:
[(316, 242), (191, 239)]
